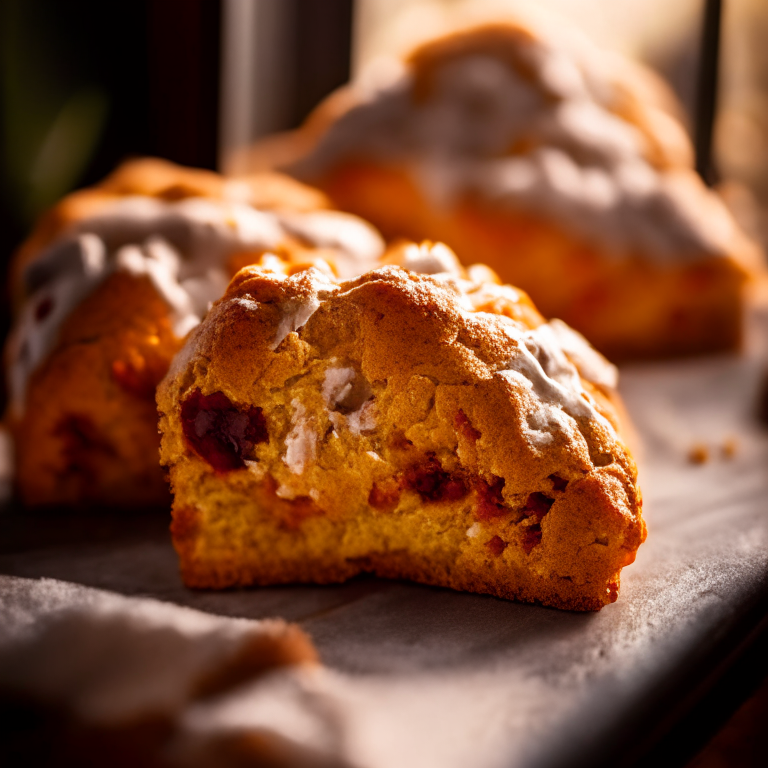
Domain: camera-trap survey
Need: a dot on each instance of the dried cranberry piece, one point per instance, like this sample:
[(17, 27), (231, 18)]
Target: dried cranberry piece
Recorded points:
[(496, 546), (219, 432), (531, 538), (558, 484), (432, 482), (384, 495), (490, 502), (462, 425), (453, 489), (537, 506)]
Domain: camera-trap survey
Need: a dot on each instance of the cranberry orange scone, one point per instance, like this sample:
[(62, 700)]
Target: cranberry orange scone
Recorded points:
[(560, 166), (426, 427), (106, 289)]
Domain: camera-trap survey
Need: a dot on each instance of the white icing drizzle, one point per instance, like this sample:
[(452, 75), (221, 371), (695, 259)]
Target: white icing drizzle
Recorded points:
[(541, 365), (578, 161), (296, 312), (430, 259), (160, 262), (546, 364), (182, 247), (357, 244), (549, 361), (77, 266)]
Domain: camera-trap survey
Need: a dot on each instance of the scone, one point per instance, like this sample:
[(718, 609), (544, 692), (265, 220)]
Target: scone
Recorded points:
[(560, 166), (426, 427), (106, 288)]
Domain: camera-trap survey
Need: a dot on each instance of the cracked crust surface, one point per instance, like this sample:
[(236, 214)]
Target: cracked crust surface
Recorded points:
[(417, 427)]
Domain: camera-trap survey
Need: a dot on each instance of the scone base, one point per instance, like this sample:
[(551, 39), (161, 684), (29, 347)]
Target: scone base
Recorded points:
[(262, 542), (223, 574)]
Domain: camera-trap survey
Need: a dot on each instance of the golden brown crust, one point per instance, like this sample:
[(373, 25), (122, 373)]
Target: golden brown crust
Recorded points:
[(430, 472)]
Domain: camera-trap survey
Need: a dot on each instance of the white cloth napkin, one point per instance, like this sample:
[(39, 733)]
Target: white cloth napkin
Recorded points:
[(215, 690)]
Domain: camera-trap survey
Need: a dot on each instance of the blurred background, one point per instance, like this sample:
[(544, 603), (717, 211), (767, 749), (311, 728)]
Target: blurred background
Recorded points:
[(86, 84)]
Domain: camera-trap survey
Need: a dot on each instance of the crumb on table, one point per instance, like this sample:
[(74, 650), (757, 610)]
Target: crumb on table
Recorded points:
[(698, 454), (730, 447)]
